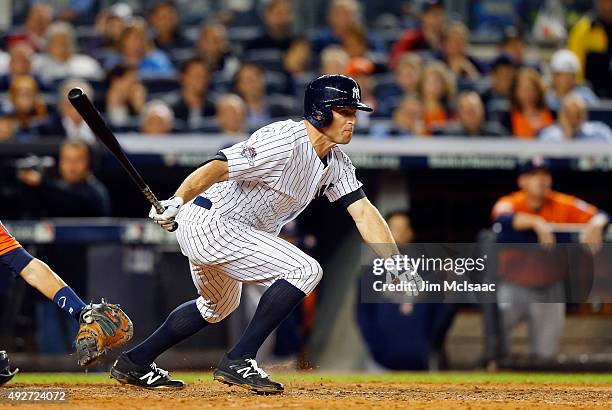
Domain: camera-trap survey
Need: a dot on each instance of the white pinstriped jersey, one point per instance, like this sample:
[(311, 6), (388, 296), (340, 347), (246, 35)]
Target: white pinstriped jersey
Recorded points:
[(273, 176)]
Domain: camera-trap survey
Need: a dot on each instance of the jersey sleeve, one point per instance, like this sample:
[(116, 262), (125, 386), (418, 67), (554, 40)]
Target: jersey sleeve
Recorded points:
[(347, 182), (581, 211), (261, 158), (503, 207)]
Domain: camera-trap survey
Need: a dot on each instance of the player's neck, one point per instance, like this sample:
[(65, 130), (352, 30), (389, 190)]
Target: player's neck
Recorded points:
[(321, 144)]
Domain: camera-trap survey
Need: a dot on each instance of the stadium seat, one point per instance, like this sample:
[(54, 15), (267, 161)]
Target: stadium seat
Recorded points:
[(276, 83), (271, 59), (161, 85)]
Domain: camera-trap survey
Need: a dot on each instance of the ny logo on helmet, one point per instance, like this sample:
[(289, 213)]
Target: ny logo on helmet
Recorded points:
[(356, 93)]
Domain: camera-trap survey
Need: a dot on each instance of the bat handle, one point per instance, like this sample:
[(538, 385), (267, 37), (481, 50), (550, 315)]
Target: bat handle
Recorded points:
[(157, 205)]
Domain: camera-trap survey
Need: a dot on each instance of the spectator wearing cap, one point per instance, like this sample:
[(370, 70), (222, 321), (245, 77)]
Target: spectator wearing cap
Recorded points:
[(38, 19), (108, 28), (590, 40), (213, 48), (231, 116), (61, 59), (497, 94), (67, 122), (427, 37), (334, 60), (137, 51), (572, 123), (531, 285), (529, 113), (564, 66), (164, 22), (278, 18), (20, 63), (437, 90), (512, 44), (454, 53), (156, 119), (342, 16), (471, 119), (407, 120), (194, 103), (250, 85), (126, 95), (362, 70)]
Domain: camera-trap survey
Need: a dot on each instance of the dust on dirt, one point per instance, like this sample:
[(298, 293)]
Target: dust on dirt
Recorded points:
[(332, 395)]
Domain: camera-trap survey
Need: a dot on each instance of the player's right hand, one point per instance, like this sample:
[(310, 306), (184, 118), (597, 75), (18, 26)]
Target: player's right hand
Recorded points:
[(405, 272), (171, 208)]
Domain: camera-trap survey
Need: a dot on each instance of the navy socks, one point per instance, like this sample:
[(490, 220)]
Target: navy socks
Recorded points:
[(274, 306), (181, 323)]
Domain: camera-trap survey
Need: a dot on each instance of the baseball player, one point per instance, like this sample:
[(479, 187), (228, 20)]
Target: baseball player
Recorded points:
[(101, 326), (230, 211)]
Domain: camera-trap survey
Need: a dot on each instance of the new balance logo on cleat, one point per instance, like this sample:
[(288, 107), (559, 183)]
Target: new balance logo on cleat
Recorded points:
[(246, 373), (151, 377)]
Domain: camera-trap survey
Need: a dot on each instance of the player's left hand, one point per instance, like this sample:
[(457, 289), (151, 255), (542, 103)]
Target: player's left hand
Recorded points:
[(102, 326), (171, 208)]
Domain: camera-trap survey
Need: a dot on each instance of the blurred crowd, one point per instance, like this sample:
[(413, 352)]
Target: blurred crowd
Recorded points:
[(165, 67)]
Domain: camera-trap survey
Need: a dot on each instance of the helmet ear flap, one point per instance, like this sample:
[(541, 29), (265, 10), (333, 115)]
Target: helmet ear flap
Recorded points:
[(327, 117), (320, 117)]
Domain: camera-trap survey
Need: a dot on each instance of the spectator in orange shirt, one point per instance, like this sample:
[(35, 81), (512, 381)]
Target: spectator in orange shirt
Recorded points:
[(529, 113), (532, 279), (437, 90)]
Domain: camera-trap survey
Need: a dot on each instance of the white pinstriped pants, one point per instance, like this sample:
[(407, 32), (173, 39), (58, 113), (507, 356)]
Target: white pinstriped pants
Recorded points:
[(223, 253)]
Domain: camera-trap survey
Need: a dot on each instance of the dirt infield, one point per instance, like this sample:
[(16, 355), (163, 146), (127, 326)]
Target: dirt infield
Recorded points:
[(332, 395)]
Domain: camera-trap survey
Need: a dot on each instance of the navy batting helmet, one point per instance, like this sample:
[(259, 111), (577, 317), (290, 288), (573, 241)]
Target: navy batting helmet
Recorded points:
[(5, 368), (330, 91)]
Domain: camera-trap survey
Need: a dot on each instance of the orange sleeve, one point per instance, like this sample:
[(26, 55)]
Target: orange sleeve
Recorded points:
[(504, 206), (7, 242), (580, 211)]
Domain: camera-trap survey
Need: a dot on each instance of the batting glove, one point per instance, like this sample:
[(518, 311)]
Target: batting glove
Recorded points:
[(405, 273), (171, 209)]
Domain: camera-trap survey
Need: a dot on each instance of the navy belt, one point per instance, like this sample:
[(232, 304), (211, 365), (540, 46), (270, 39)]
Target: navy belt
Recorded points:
[(203, 202)]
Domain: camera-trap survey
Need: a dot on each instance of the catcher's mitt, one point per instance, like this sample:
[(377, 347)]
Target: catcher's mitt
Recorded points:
[(102, 326)]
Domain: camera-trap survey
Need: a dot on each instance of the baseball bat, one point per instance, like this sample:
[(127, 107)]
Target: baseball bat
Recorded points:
[(92, 117)]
